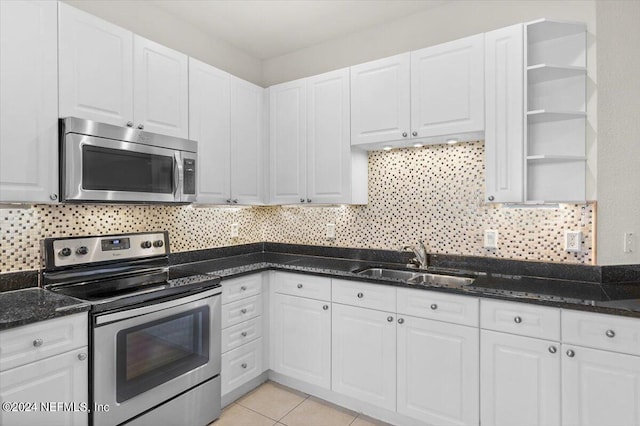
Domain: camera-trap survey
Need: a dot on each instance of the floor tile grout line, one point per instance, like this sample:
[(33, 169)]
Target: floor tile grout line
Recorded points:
[(354, 419), (287, 413)]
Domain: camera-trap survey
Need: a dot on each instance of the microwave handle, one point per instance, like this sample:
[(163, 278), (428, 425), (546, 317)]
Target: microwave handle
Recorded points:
[(178, 177)]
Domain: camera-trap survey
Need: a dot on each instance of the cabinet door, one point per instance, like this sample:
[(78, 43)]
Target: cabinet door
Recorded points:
[(209, 120), (287, 143), (247, 142), (96, 68), (600, 388), (447, 88), (28, 101), (301, 339), (519, 380), (364, 355), (438, 375), (328, 146), (161, 89), (380, 100), (504, 120), (60, 379)]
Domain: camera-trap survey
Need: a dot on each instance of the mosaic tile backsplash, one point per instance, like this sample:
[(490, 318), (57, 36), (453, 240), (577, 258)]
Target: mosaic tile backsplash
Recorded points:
[(433, 193)]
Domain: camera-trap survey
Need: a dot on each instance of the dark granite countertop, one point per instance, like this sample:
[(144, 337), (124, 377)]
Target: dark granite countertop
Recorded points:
[(617, 299), (22, 307)]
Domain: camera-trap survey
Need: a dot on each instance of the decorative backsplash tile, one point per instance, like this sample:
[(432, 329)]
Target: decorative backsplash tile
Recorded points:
[(433, 193)]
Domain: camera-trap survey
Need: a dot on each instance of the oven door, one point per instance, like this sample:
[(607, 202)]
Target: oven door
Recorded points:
[(100, 169), (145, 356)]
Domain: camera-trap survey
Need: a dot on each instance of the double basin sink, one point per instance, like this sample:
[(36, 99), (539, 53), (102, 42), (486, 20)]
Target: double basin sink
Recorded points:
[(417, 277)]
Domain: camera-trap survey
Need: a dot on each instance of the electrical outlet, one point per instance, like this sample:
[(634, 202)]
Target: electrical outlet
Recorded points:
[(330, 231), (629, 242), (235, 230), (573, 241), (490, 239)]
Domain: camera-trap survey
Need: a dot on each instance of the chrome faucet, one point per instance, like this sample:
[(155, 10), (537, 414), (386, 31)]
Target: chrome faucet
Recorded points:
[(421, 261)]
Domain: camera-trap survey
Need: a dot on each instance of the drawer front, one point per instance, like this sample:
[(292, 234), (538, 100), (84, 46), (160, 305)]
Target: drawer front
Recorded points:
[(239, 334), (310, 286), (601, 331), (241, 365), (29, 343), (372, 296), (439, 306), (241, 288), (520, 318), (242, 310)]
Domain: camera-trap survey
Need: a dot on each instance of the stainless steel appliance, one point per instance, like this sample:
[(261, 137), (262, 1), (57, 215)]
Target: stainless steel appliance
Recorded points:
[(155, 331), (105, 163)]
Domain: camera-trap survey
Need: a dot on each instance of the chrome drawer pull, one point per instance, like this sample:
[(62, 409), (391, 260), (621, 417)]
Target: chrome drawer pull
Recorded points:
[(434, 306), (38, 342), (243, 334), (390, 319), (299, 285), (571, 353), (360, 295), (243, 288), (610, 333), (552, 349), (82, 356), (243, 310), (517, 320), (400, 320), (244, 365), (325, 307)]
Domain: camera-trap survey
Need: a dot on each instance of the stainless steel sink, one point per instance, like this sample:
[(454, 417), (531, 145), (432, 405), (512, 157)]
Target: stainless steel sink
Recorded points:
[(416, 277)]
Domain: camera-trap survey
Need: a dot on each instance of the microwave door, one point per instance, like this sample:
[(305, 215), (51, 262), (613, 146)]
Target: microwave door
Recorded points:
[(106, 170)]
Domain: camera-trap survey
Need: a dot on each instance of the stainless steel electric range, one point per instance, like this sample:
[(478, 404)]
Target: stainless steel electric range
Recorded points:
[(154, 331)]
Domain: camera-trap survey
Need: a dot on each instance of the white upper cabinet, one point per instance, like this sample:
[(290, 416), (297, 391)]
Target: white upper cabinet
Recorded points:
[(288, 148), (380, 100), (96, 68), (248, 152), (161, 89), (447, 88), (209, 124), (504, 104), (28, 101)]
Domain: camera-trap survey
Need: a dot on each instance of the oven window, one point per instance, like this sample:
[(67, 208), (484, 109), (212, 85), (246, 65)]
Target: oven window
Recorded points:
[(150, 354), (106, 169)]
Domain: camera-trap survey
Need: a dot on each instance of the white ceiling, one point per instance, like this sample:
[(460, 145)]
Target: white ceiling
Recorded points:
[(268, 28)]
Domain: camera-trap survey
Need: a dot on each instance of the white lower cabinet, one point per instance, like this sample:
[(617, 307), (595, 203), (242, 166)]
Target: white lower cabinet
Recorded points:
[(364, 355), (599, 388), (241, 365), (437, 369)]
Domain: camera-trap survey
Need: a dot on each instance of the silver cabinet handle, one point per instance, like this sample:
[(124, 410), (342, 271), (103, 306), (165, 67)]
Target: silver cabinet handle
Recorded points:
[(491, 198), (243, 310), (610, 333), (129, 123), (390, 318), (243, 288), (243, 334), (404, 134), (517, 320), (414, 133), (228, 200), (299, 286), (302, 200), (360, 295), (244, 365), (325, 307), (400, 320), (140, 126), (552, 349), (53, 197), (82, 356), (38, 342), (434, 306), (571, 353), (235, 201), (308, 200)]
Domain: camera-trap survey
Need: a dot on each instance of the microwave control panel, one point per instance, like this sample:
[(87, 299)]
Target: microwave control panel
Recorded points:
[(189, 186)]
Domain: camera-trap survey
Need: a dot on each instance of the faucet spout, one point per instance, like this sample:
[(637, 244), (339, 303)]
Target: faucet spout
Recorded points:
[(420, 251)]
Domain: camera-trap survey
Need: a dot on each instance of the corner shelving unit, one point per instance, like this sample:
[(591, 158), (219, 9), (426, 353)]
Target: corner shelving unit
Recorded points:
[(555, 117)]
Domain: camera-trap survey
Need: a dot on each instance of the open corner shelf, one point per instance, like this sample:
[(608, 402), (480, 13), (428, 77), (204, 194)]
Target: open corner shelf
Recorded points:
[(547, 29), (542, 115), (546, 72)]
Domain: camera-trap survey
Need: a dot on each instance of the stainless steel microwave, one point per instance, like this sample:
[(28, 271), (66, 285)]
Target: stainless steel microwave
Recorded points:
[(104, 163)]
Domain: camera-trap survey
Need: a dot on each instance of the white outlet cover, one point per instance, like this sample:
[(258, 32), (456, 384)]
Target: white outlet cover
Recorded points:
[(235, 229), (490, 239), (629, 242), (330, 231), (573, 241)]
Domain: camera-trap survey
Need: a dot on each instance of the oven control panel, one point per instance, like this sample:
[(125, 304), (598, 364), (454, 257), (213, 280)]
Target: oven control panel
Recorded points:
[(83, 250)]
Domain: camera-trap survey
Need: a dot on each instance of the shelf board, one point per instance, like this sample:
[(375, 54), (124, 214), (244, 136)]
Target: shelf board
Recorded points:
[(542, 115), (547, 29), (556, 158), (546, 72)]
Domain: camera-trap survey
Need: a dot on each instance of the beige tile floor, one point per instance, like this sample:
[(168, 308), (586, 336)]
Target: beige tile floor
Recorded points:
[(273, 404)]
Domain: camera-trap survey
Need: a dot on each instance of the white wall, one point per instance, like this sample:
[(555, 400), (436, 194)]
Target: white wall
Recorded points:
[(156, 24), (618, 129)]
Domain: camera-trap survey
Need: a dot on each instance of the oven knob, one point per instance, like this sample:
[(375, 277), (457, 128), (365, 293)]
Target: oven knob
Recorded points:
[(158, 243), (65, 252), (146, 244), (82, 250)]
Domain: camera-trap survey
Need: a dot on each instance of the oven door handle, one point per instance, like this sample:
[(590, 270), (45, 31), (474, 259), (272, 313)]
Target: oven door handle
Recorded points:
[(178, 176), (131, 313)]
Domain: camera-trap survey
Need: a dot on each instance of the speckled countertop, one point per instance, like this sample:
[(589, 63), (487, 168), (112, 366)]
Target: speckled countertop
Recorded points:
[(22, 307)]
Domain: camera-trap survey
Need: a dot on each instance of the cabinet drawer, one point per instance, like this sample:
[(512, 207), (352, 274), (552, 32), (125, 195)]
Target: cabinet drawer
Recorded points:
[(239, 334), (310, 286), (601, 331), (29, 343), (439, 306), (242, 310), (241, 288), (372, 296), (520, 318), (241, 365)]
